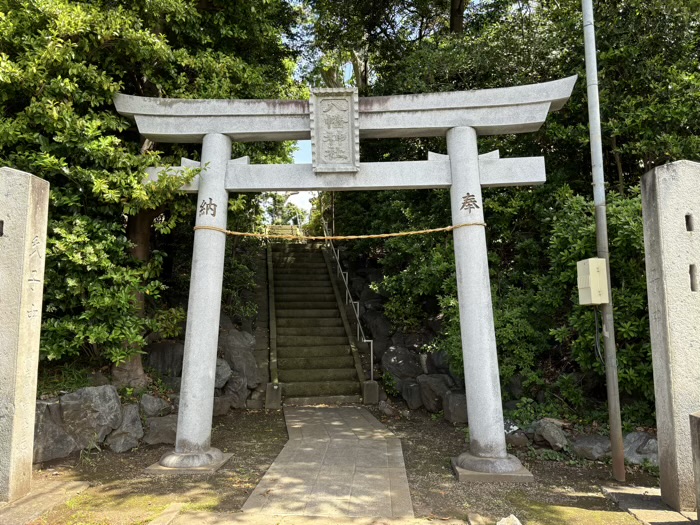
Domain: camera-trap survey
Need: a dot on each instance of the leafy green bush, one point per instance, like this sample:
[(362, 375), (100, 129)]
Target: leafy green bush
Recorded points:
[(390, 384), (545, 336), (61, 64), (573, 238)]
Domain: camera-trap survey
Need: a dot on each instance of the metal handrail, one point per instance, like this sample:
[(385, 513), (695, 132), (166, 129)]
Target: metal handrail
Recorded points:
[(272, 309), (348, 298)]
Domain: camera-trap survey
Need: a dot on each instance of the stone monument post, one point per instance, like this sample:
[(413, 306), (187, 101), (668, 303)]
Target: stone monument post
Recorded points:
[(24, 201), (193, 443), (671, 210)]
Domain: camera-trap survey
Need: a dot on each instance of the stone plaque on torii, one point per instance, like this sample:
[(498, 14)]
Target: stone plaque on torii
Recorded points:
[(335, 120)]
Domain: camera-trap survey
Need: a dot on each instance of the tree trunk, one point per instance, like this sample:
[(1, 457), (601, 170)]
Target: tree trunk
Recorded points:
[(618, 164), (138, 231), (457, 8)]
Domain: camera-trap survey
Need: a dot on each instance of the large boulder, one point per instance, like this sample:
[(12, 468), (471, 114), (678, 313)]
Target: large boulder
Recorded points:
[(356, 285), (166, 357), (438, 362), (434, 388), (377, 324), (153, 406), (591, 447), (51, 441), (381, 345), (238, 350), (236, 390), (551, 434), (401, 363), (128, 434), (91, 413), (641, 447), (223, 373), (222, 404), (370, 296), (161, 430), (412, 340), (225, 323), (232, 338), (454, 406), (410, 391)]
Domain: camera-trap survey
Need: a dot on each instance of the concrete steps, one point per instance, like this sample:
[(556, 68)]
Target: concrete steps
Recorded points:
[(296, 322), (283, 312), (325, 400), (315, 363), (306, 363), (311, 305), (314, 351), (326, 331), (317, 375), (320, 389), (310, 340), (297, 296), (295, 285)]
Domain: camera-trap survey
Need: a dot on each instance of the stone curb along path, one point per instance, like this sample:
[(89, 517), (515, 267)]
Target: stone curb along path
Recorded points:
[(338, 462)]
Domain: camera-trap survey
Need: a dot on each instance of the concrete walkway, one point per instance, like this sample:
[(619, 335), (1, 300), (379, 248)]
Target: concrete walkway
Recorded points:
[(338, 462)]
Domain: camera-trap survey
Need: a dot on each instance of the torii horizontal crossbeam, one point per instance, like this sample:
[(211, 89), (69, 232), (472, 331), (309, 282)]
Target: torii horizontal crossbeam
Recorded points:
[(244, 177), (498, 111)]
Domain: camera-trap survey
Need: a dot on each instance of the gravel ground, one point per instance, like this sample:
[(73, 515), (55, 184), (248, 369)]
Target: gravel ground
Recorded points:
[(563, 492)]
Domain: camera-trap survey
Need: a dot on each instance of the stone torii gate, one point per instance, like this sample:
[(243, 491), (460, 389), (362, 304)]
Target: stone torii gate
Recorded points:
[(335, 120)]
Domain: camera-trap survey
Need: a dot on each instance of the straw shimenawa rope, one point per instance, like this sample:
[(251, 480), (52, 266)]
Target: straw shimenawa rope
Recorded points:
[(337, 237)]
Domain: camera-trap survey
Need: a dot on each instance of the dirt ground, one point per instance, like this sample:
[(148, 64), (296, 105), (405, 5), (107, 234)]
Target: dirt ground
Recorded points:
[(563, 492), (121, 493)]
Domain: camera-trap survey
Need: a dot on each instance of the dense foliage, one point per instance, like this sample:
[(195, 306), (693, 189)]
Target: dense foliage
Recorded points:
[(119, 250), (61, 63), (649, 62)]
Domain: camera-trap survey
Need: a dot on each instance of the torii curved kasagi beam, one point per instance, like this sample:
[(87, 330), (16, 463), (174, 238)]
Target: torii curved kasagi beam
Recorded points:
[(335, 120), (497, 111)]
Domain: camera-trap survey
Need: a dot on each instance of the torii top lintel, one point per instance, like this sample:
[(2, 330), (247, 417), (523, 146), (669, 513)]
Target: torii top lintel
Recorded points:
[(497, 111)]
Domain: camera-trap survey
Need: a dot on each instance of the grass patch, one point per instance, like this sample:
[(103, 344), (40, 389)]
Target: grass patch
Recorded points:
[(207, 504), (60, 379), (583, 510)]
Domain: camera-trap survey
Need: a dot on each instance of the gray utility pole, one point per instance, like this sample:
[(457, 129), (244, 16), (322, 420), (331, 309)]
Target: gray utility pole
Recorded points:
[(601, 222)]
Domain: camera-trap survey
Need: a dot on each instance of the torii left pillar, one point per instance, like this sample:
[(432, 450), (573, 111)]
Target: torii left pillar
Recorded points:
[(193, 442)]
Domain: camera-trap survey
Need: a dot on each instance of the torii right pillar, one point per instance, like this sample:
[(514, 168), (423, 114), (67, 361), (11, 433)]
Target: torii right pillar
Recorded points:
[(487, 459)]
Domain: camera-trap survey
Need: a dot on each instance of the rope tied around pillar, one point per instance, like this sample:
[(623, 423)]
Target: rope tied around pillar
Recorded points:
[(339, 237)]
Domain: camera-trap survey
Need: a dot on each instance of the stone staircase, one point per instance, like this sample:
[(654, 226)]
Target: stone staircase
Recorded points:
[(315, 360)]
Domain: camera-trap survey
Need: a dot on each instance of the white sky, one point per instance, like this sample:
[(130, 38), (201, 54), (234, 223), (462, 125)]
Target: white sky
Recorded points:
[(302, 156)]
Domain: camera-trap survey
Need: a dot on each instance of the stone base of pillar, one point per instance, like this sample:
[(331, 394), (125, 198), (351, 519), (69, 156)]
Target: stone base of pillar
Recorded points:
[(177, 463), (191, 459), (468, 467), (370, 392)]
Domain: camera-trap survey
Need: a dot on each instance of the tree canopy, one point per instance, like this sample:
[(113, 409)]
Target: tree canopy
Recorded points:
[(115, 243), (61, 63), (649, 66)]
